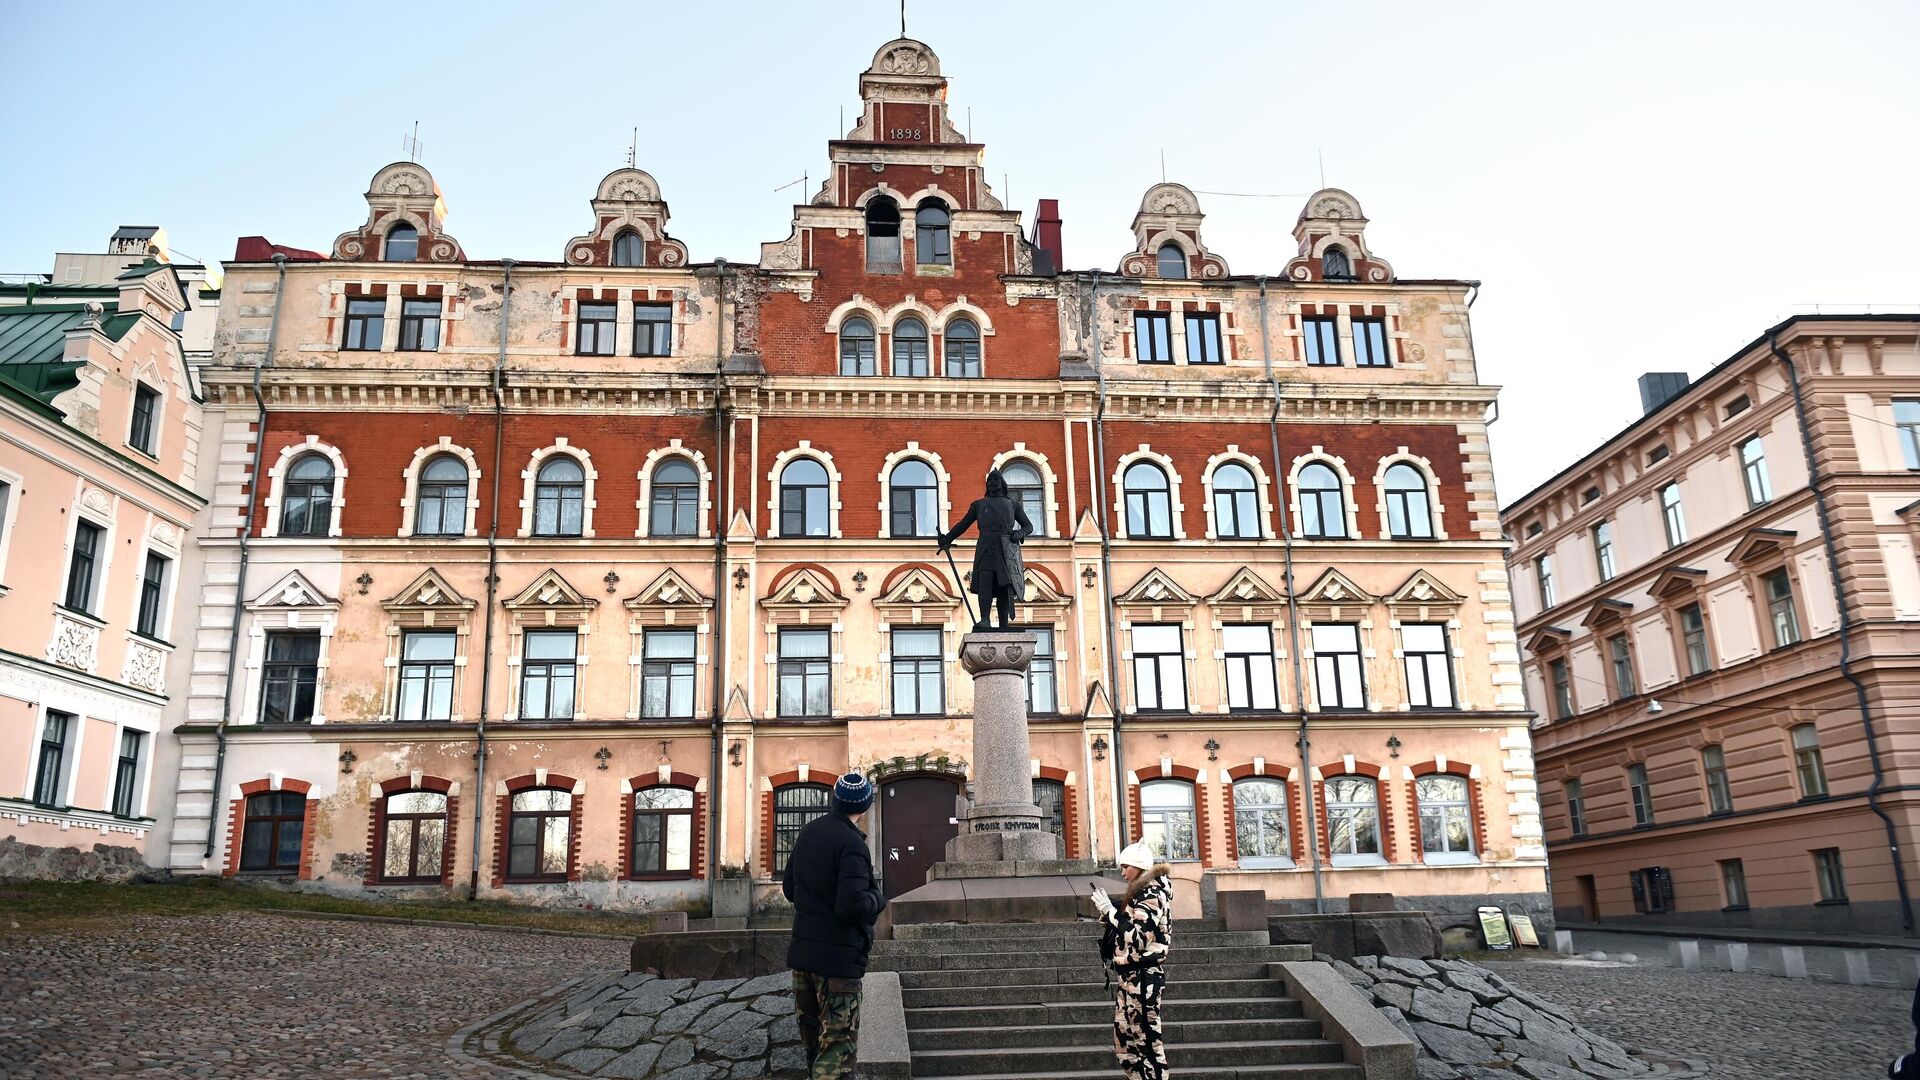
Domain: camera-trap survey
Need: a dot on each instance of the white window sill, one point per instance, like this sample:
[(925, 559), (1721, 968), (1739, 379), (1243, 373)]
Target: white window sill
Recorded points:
[(1267, 863), (1450, 858), (1359, 860)]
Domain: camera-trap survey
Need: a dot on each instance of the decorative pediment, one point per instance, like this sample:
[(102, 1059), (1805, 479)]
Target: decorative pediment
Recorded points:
[(1334, 587), (428, 591), (1332, 233), (1606, 611), (628, 200), (401, 193), (1549, 639), (916, 585), (1245, 587), (293, 591), (669, 590), (1421, 595), (1156, 589), (1759, 544), (1040, 590), (550, 591), (1169, 214), (1677, 581), (805, 586)]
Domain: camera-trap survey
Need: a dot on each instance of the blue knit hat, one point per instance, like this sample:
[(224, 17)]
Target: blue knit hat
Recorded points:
[(852, 794)]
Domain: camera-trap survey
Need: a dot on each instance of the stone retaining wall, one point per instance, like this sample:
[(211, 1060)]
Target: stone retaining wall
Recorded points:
[(639, 1026)]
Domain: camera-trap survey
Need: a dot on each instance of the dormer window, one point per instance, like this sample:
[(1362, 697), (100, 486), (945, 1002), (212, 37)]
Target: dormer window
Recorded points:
[(1335, 266), (628, 251), (883, 235), (1173, 262), (932, 235), (403, 244), (1658, 454)]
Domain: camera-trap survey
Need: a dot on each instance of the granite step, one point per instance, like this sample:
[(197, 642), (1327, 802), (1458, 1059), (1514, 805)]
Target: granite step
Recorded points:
[(1073, 938), (1057, 1035), (1086, 970), (1092, 991), (1100, 1012), (1183, 956), (1030, 1060), (971, 932), (1313, 1071)]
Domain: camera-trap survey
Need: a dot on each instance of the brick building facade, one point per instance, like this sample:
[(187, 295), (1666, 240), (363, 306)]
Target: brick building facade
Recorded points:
[(656, 535)]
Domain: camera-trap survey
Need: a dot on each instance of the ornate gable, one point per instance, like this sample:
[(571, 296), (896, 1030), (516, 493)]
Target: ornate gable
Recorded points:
[(1169, 214), (551, 592), (1247, 597), (627, 199), (805, 587), (402, 192), (1758, 544), (1421, 596), (428, 600), (1606, 611), (1040, 590), (293, 591), (1332, 220), (915, 586), (1156, 589), (1334, 596), (1676, 582), (1549, 639), (669, 590)]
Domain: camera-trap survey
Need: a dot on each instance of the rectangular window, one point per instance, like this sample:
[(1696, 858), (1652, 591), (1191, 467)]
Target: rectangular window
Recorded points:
[(1693, 633), (1831, 876), (146, 401), (918, 686), (1152, 337), (1906, 417), (1673, 517), (805, 673), (1738, 405), (794, 808), (1203, 339), (1808, 763), (289, 676), (1159, 668), (420, 326), (83, 565), (153, 593), (1429, 669), (366, 324), (666, 673), (1733, 882), (1620, 653), (1249, 657), (1321, 334), (595, 329), (1576, 809), (1753, 470), (126, 773), (1642, 794), (1603, 549), (50, 775), (653, 329), (1543, 573), (1337, 674), (1562, 689), (1781, 614), (6, 523), (426, 675), (1713, 763), (547, 674), (1043, 689), (1370, 343), (1658, 454)]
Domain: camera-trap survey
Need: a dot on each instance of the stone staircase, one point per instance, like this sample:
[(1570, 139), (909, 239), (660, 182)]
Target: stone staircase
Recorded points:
[(987, 1002)]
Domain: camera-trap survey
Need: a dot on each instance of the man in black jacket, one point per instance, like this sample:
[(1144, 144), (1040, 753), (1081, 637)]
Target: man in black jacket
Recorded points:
[(836, 900)]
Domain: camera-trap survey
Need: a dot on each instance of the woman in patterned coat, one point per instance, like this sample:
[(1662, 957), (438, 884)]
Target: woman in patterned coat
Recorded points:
[(1141, 927)]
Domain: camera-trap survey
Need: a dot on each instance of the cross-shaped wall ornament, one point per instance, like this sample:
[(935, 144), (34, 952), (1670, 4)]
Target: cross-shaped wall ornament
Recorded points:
[(1088, 577), (1393, 745), (604, 755), (1213, 749), (347, 758), (740, 577), (1099, 748), (612, 579), (365, 579), (859, 581)]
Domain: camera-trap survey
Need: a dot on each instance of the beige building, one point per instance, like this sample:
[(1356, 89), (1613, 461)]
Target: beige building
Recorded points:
[(1721, 645)]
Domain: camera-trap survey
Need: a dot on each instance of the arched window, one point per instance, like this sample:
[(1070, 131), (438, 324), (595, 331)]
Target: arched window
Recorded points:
[(1028, 491), (403, 244), (539, 834), (1236, 507), (276, 826), (932, 238), (803, 498), (1051, 795), (306, 497), (662, 833), (963, 349), (1173, 262), (1323, 504), (1335, 266), (1149, 502), (559, 498), (794, 805), (1408, 515), (1446, 816), (913, 500), (413, 845), (1260, 822), (883, 235), (675, 492), (628, 250), (1353, 819), (1167, 820), (910, 356), (440, 500), (856, 347)]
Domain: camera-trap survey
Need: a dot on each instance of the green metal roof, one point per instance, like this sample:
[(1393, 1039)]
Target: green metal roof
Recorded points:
[(33, 340)]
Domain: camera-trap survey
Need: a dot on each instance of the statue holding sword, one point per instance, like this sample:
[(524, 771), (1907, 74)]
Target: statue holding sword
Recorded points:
[(999, 573)]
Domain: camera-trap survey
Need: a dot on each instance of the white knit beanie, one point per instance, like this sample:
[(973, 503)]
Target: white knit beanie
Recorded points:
[(1138, 854)]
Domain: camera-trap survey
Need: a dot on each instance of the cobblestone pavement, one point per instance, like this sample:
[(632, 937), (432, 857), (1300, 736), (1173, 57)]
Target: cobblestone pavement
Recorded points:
[(1887, 967), (1748, 1027), (255, 995)]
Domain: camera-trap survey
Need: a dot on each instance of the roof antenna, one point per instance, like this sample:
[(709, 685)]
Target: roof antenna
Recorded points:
[(1163, 164), (969, 124), (633, 149), (1323, 167), (412, 143), (903, 18)]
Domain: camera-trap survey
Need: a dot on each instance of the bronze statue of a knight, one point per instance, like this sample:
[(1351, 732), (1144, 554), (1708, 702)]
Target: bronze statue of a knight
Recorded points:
[(999, 573)]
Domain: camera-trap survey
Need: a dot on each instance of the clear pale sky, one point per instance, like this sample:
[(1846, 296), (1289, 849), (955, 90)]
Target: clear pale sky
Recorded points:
[(1644, 187)]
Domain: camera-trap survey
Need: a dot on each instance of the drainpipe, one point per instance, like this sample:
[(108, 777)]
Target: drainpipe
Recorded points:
[(723, 472), (1120, 834), (498, 386), (1301, 742), (246, 532), (1846, 631)]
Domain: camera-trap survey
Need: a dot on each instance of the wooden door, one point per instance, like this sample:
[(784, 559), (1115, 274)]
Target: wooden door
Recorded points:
[(916, 821)]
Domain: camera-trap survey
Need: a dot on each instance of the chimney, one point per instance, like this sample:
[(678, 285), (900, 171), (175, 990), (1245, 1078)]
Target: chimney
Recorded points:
[(1046, 235), (1659, 387)]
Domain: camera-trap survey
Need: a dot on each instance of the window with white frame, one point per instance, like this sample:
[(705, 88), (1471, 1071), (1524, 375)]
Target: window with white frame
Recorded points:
[(913, 500), (1753, 470), (1149, 503), (675, 492), (961, 339), (1248, 649), (910, 349), (1906, 419), (1159, 668), (918, 666), (666, 673), (1370, 343), (1409, 517), (1673, 516), (857, 344), (153, 596), (559, 497), (440, 499), (804, 673), (1603, 550), (1203, 338), (1323, 503), (1446, 817), (1429, 665), (290, 677), (83, 566), (126, 773), (1236, 503), (1576, 809), (1167, 820), (1713, 765), (1043, 691), (1808, 764), (1543, 576), (803, 498), (1153, 337), (1260, 823), (50, 770), (1353, 820), (1338, 676), (306, 497), (1028, 491), (1640, 792), (426, 675), (548, 674)]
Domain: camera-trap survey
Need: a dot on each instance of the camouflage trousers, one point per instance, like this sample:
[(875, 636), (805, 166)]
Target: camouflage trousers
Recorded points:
[(1136, 1024), (829, 1013)]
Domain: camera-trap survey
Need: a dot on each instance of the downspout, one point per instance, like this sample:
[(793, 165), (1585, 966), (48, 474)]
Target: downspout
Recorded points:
[(246, 532), (1120, 834), (1846, 631), (1301, 742), (723, 472), (498, 386)]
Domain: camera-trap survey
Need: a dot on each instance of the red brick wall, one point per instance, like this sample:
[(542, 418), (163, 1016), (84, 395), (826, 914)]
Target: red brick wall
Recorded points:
[(1070, 803)]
